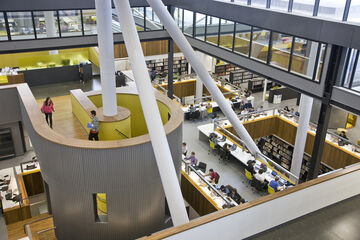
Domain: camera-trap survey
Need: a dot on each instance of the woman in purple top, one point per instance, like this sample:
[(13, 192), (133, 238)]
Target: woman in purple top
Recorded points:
[(192, 158)]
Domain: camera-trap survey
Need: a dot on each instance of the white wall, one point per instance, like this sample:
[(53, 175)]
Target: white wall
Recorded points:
[(280, 210)]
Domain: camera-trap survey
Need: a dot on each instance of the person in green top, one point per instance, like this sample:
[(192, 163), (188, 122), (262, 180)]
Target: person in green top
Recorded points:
[(94, 131)]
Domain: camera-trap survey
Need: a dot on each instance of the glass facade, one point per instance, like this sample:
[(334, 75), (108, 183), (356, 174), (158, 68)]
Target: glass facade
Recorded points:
[(212, 29), (226, 34), (242, 39), (188, 22), (89, 18), (280, 50), (178, 16), (303, 6), (21, 25), (259, 3), (3, 32), (70, 23), (354, 12), (138, 14), (200, 20), (332, 9), (352, 75), (152, 22), (280, 4), (260, 44), (46, 24)]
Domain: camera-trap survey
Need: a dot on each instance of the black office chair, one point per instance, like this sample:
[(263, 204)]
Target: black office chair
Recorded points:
[(202, 166), (258, 185)]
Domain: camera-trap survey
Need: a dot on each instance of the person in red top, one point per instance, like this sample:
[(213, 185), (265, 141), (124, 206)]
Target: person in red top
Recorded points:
[(214, 176), (48, 109)]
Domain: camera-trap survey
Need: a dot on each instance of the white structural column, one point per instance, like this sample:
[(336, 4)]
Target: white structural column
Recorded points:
[(106, 56), (301, 134), (50, 24), (199, 84), (264, 92), (183, 44), (152, 116)]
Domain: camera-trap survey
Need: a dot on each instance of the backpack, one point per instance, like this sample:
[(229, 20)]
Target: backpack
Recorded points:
[(217, 178)]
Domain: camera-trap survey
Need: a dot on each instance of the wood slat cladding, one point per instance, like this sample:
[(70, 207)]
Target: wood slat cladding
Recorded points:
[(149, 48), (201, 203), (333, 155), (188, 88)]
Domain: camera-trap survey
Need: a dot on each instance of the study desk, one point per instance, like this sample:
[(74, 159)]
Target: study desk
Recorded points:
[(238, 153), (197, 193)]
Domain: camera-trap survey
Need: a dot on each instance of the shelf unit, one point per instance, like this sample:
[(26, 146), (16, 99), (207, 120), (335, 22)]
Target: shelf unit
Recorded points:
[(257, 84), (241, 76), (281, 152), (225, 69), (180, 65)]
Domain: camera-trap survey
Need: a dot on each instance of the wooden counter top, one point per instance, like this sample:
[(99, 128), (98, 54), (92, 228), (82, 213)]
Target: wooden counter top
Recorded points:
[(41, 128)]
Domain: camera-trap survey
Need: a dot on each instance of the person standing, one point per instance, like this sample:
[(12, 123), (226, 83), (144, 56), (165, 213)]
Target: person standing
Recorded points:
[(48, 108), (94, 131), (192, 158), (184, 149)]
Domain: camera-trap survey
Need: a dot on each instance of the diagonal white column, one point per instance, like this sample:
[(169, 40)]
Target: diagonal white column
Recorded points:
[(301, 134), (152, 116), (106, 56), (182, 43)]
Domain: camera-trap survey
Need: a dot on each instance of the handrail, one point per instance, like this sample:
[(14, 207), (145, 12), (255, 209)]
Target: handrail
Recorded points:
[(203, 179), (46, 230), (121, 132), (38, 220), (166, 91), (266, 199)]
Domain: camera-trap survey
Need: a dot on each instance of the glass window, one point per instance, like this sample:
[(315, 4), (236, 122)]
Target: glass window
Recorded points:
[(303, 6), (280, 51), (115, 22), (70, 22), (241, 1), (178, 16), (354, 11), (46, 24), (21, 25), (242, 39), (356, 81), (304, 57), (89, 18), (279, 4), (188, 22), (200, 20), (212, 29), (260, 44), (322, 50), (3, 32), (226, 34), (152, 20), (100, 207), (350, 67), (258, 3), (138, 14), (332, 9)]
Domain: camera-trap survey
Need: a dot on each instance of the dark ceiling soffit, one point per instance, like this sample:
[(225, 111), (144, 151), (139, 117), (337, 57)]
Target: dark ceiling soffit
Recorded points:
[(308, 27), (71, 42), (347, 99)]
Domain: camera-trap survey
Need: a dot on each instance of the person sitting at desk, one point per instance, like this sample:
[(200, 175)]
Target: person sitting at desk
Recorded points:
[(286, 108), (192, 108), (226, 148), (247, 92), (342, 142), (235, 196), (275, 185), (192, 158), (244, 111), (251, 166), (224, 190), (260, 176), (184, 149), (214, 176), (260, 109)]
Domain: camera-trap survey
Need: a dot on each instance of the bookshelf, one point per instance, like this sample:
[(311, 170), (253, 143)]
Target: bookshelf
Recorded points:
[(180, 65), (225, 69), (257, 84), (281, 152)]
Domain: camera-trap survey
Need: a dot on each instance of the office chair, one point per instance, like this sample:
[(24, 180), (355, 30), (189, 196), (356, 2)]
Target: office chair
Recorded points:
[(202, 166), (213, 148), (271, 190), (248, 175), (257, 185)]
